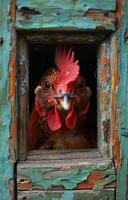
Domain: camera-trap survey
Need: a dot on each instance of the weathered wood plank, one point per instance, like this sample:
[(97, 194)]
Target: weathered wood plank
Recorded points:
[(108, 5), (114, 138), (104, 97), (68, 15), (23, 99), (122, 119), (64, 21), (65, 163), (58, 37), (7, 100), (51, 174), (63, 155), (68, 195)]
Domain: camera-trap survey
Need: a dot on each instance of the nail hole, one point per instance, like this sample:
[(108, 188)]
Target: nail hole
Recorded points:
[(1, 40), (22, 180), (57, 13), (106, 14)]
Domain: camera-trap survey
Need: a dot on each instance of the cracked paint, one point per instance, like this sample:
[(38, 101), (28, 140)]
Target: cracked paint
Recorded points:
[(56, 14), (69, 180)]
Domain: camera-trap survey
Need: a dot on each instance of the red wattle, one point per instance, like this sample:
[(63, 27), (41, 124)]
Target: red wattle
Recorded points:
[(39, 107), (53, 119), (71, 119)]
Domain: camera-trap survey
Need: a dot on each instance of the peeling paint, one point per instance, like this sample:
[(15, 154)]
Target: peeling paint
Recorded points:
[(122, 104), (12, 77), (67, 15), (115, 80), (79, 4), (104, 96), (69, 180), (109, 178), (6, 166), (62, 21)]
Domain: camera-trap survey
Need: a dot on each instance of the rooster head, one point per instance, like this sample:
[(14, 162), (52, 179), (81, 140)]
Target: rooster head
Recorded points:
[(62, 94)]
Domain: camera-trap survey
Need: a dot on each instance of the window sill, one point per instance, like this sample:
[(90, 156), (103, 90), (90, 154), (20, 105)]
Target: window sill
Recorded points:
[(65, 169)]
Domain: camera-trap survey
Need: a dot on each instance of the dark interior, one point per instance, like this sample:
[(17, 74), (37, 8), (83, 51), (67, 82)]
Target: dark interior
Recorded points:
[(41, 57)]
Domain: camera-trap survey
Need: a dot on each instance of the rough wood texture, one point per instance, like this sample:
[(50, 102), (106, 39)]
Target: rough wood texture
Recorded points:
[(7, 100), (65, 15), (53, 170), (65, 170), (104, 97), (23, 102), (114, 83), (85, 15), (68, 195), (42, 155), (122, 126), (102, 5), (60, 37)]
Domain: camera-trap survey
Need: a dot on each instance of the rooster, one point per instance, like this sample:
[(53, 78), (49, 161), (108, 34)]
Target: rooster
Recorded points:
[(62, 99)]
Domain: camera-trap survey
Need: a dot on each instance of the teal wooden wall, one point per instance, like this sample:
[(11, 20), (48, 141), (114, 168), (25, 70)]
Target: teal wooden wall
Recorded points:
[(122, 34), (6, 167), (7, 99), (8, 114), (67, 14)]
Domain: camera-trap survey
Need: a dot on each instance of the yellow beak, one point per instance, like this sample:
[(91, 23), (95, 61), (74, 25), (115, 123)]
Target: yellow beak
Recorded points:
[(65, 102)]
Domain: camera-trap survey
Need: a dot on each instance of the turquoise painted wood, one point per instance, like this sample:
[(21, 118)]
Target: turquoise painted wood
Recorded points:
[(122, 35), (6, 164), (37, 15), (108, 5), (40, 176), (68, 14)]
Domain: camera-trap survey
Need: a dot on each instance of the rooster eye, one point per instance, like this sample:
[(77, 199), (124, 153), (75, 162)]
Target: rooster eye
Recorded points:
[(46, 84)]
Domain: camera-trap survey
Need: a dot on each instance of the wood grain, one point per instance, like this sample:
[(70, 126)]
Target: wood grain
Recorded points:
[(78, 15), (67, 195), (23, 102), (65, 169)]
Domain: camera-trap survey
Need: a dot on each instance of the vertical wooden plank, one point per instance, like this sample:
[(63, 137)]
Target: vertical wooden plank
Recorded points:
[(123, 101), (7, 100), (103, 92), (114, 84), (23, 98)]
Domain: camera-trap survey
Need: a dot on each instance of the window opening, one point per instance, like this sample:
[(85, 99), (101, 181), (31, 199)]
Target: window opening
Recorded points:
[(41, 58)]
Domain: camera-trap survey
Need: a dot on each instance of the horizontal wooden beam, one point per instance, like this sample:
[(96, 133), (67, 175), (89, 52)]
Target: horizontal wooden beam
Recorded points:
[(90, 15), (83, 154), (67, 170), (64, 195), (108, 5), (65, 37)]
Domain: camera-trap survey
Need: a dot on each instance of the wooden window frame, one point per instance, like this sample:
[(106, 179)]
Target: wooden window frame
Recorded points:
[(96, 159), (90, 22), (103, 83)]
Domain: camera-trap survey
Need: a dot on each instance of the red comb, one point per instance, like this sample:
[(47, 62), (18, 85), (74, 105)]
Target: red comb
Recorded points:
[(69, 69)]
